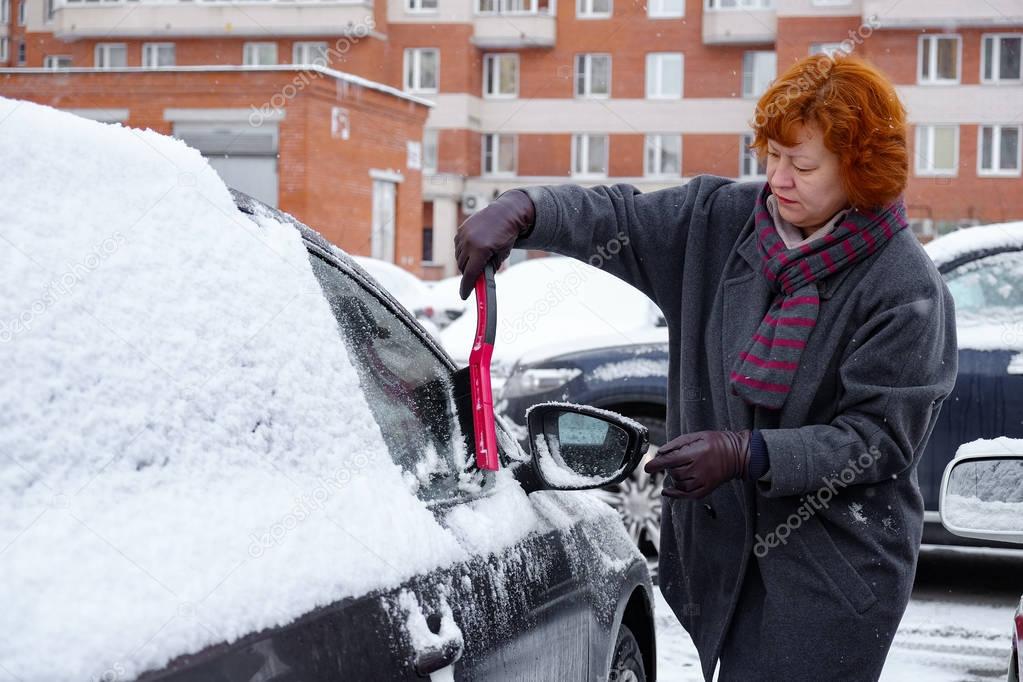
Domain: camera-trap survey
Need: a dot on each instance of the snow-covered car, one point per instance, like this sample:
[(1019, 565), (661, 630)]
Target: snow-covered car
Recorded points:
[(229, 454), (409, 290), (448, 305), (982, 499), (983, 267)]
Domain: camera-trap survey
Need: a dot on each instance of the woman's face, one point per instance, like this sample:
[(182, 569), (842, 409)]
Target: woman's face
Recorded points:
[(805, 179)]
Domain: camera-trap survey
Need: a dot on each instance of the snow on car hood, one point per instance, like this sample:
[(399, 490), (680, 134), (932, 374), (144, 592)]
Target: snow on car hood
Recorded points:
[(187, 456)]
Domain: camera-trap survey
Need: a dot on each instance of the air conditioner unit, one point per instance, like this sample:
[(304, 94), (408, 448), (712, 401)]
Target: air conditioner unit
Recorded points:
[(473, 202)]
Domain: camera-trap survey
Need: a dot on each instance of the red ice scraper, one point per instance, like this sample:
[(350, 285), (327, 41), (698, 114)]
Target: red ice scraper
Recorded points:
[(479, 370)]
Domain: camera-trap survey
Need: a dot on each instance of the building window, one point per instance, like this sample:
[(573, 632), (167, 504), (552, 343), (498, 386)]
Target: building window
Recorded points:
[(422, 67), (589, 155), (937, 149), (999, 152), (751, 167), (938, 61), (758, 71), (259, 54), (22, 11), (662, 156), (593, 9), (157, 54), (1000, 58), (21, 53), (4, 55), (513, 6), (429, 151), (49, 9), (829, 49), (427, 244), (57, 61), (5, 11), (111, 55), (420, 5), (498, 154), (310, 54), (715, 5), (593, 75), (501, 75), (664, 9), (664, 75), (831, 3)]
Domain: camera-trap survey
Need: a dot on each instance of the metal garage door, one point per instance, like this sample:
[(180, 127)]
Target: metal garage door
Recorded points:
[(244, 156)]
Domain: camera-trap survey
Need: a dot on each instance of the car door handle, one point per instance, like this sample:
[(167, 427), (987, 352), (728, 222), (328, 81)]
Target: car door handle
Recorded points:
[(436, 657)]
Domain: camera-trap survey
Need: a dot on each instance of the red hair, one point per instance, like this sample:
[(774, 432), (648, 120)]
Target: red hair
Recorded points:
[(857, 110)]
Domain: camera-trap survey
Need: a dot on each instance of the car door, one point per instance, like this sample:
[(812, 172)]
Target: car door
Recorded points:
[(987, 401), (518, 606)]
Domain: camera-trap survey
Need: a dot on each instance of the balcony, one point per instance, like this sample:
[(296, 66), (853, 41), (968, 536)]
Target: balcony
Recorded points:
[(739, 22), (514, 24), (944, 13), (151, 18)]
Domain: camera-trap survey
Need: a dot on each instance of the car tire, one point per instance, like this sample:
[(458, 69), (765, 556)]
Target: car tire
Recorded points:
[(627, 661), (638, 498)]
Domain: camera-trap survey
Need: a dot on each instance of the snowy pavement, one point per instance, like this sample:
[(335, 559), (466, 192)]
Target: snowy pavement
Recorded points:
[(957, 627)]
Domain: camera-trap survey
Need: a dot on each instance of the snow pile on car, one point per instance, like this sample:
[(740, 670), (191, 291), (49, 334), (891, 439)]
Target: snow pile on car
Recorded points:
[(186, 454), (973, 239)]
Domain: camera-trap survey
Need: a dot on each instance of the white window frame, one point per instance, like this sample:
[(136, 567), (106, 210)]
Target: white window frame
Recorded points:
[(51, 61), (587, 72), (658, 138), (752, 94), (997, 48), (307, 46), (745, 140), (105, 49), (21, 53), (154, 48), (496, 58), (740, 5), (509, 7), (655, 10), (586, 156), (251, 48), (933, 38), (584, 10), (492, 170), (4, 49), (417, 7), (654, 59), (996, 139), (928, 130), (431, 140), (5, 11), (22, 12), (411, 66)]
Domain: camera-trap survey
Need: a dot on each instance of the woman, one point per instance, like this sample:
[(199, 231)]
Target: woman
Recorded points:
[(811, 343)]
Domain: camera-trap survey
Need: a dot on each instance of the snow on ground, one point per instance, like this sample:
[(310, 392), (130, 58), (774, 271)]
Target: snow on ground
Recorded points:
[(168, 452)]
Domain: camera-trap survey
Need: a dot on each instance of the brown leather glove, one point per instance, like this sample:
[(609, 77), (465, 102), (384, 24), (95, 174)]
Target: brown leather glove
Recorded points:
[(489, 235), (699, 462)]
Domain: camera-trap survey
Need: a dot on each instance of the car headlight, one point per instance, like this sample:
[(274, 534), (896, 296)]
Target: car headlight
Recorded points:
[(531, 381)]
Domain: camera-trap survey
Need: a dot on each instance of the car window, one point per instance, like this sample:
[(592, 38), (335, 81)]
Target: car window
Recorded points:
[(407, 386), (986, 286)]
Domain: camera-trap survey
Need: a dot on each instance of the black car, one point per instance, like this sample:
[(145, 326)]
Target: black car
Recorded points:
[(983, 267), (573, 602)]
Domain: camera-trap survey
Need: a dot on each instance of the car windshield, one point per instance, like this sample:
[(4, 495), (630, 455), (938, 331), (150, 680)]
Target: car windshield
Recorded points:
[(407, 386), (988, 288)]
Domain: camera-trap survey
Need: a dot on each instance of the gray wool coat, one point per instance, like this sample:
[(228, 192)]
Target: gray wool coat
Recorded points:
[(805, 573)]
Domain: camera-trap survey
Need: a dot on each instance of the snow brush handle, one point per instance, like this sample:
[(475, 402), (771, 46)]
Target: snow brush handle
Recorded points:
[(479, 370)]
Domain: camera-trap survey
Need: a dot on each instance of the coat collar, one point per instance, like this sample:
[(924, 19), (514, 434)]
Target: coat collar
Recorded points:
[(751, 254)]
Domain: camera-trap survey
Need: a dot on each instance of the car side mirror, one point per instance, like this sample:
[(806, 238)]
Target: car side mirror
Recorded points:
[(982, 497), (578, 447)]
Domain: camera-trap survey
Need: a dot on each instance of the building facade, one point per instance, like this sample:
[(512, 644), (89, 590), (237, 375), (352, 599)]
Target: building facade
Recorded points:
[(592, 91)]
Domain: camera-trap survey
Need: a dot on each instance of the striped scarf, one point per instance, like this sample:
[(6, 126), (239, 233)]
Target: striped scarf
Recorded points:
[(767, 367)]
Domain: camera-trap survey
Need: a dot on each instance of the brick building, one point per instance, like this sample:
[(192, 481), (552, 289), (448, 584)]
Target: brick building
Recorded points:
[(590, 91)]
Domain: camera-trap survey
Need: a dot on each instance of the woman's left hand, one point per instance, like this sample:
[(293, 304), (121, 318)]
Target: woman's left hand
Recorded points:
[(699, 462)]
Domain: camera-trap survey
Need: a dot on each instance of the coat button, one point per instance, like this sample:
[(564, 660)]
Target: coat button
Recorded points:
[(710, 510)]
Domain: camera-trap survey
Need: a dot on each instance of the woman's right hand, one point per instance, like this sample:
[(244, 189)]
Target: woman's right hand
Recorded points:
[(490, 234)]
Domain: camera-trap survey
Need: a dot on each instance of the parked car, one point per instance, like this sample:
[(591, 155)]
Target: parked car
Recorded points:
[(409, 290), (231, 454), (981, 497), (983, 267), (448, 305)]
